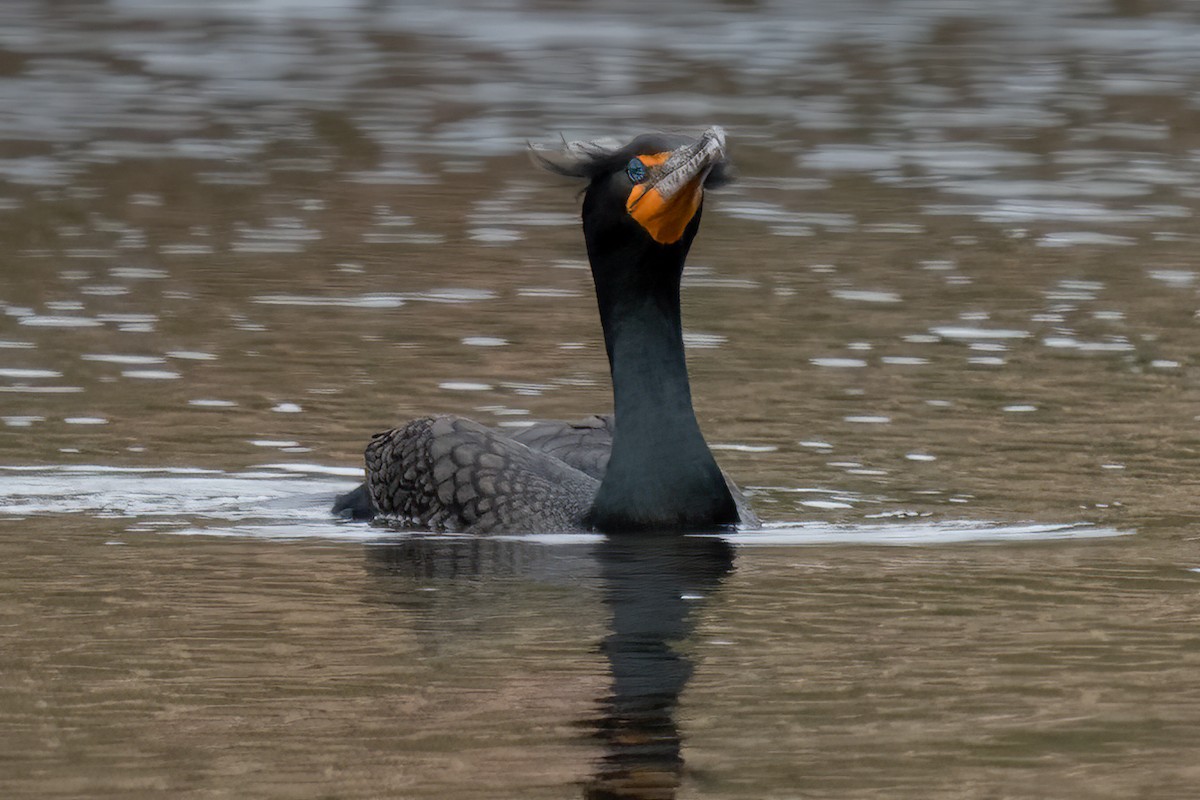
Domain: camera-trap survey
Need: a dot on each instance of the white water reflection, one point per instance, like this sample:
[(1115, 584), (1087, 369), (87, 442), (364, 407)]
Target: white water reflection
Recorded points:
[(203, 402), (374, 300), (23, 374), (290, 501), (1076, 238), (23, 389), (51, 321), (838, 363), (22, 420), (865, 296), (187, 494), (1114, 345), (969, 333), (916, 534), (1178, 278), (117, 358)]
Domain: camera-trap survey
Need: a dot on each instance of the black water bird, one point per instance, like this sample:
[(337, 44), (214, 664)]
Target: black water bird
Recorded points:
[(644, 468)]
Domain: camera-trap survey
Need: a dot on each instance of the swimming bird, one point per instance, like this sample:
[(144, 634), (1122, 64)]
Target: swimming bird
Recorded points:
[(644, 468)]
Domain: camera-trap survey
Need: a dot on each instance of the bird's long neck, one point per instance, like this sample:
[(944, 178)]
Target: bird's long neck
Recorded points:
[(661, 474)]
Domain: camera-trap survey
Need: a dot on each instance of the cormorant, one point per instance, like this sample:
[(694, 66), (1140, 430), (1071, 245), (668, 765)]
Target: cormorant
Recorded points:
[(645, 468)]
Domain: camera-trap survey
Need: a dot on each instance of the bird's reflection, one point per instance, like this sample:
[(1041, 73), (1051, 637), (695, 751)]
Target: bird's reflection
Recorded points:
[(652, 586)]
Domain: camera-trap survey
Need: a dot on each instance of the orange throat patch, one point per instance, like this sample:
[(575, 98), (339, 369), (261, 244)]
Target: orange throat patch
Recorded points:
[(664, 219)]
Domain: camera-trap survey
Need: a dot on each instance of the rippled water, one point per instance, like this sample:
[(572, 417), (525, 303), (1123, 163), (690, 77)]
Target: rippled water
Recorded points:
[(943, 328)]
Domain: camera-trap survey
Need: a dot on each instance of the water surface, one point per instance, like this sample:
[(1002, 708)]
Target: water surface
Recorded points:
[(943, 329)]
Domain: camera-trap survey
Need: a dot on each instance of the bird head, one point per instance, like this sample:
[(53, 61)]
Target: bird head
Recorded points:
[(645, 193)]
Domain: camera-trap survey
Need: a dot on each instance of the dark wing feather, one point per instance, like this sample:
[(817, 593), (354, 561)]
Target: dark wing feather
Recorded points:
[(453, 474), (584, 444)]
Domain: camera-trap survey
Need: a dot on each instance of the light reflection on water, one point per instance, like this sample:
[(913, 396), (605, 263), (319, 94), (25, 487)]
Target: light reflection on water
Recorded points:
[(289, 501), (950, 304)]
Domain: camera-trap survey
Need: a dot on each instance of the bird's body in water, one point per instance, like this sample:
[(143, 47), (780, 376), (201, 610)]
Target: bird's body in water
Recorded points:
[(646, 467)]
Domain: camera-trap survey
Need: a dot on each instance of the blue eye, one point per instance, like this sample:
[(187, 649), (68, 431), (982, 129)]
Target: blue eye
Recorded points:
[(636, 170)]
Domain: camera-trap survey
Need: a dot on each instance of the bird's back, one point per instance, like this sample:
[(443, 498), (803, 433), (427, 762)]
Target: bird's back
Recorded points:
[(583, 444)]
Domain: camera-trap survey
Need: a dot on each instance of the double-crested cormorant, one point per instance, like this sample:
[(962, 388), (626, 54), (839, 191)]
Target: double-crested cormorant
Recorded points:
[(645, 468)]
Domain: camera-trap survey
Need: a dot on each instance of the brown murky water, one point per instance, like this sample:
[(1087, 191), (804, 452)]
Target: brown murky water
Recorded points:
[(944, 328)]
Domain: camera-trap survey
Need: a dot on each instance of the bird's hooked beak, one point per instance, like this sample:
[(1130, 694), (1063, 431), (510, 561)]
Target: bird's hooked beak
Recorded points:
[(667, 201)]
